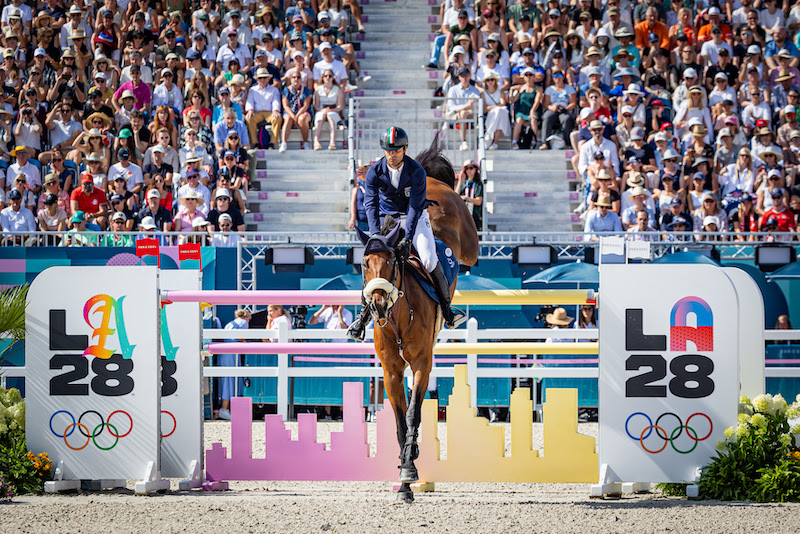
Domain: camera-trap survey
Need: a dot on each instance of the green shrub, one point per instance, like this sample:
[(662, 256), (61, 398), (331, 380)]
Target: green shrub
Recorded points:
[(757, 460), (20, 471)]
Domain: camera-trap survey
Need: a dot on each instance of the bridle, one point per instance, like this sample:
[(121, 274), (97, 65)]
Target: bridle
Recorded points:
[(391, 287)]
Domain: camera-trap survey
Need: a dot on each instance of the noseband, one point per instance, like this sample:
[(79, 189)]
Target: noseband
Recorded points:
[(390, 287)]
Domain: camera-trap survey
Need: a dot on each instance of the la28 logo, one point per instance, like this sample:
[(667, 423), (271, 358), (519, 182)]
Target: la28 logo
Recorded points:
[(691, 373), (111, 375)]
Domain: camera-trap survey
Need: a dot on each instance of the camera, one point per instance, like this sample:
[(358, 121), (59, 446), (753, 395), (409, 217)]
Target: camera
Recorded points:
[(298, 314), (544, 311), (27, 111)]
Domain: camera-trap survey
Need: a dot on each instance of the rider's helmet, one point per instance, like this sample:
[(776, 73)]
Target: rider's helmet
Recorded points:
[(394, 138)]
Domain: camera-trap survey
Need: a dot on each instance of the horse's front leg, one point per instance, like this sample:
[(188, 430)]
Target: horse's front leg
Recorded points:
[(421, 366), (393, 368)]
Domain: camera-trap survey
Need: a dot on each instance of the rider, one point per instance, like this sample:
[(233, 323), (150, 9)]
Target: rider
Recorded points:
[(396, 186)]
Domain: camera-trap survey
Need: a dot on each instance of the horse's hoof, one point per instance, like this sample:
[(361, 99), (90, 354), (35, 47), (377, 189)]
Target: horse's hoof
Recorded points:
[(405, 496), (408, 474)]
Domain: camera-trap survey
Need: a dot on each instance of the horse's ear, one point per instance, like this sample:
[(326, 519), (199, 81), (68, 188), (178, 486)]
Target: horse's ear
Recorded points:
[(362, 236), (394, 235)]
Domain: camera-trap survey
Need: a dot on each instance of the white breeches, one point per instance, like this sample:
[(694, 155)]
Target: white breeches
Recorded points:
[(423, 241)]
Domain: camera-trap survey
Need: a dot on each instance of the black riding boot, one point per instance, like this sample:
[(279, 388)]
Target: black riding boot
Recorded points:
[(357, 327), (443, 292)]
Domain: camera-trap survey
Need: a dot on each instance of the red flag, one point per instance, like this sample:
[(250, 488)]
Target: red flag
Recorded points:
[(189, 251), (148, 247)]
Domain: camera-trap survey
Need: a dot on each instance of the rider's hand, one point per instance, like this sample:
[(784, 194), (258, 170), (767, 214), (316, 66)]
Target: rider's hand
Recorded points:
[(404, 248)]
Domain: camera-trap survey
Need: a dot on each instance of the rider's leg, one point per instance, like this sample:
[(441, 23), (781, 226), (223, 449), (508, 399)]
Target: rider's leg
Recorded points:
[(357, 327), (426, 248)]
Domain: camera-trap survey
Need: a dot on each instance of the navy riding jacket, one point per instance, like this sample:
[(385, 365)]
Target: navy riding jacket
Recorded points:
[(381, 198)]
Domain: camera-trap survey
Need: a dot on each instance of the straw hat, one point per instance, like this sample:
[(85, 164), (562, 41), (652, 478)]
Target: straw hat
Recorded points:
[(603, 200), (192, 194), (784, 75), (127, 93), (87, 123), (771, 150), (559, 317), (635, 180)]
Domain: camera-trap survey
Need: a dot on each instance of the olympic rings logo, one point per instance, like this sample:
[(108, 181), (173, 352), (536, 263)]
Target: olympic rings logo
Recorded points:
[(100, 428), (668, 437)]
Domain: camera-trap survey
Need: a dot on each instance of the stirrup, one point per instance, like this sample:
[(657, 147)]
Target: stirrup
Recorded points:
[(458, 318)]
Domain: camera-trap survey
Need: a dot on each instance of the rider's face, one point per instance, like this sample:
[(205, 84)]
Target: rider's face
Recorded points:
[(394, 158)]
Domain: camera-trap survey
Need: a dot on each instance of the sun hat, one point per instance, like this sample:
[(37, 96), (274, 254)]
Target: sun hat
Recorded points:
[(559, 317)]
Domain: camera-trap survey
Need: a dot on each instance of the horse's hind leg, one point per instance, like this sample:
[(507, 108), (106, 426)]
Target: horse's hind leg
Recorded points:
[(410, 451)]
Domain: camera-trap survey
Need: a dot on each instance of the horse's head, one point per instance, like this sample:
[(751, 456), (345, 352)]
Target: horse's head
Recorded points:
[(380, 271)]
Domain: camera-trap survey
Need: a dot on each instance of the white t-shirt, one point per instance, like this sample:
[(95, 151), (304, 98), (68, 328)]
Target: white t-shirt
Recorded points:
[(132, 174), (336, 66), (331, 319)]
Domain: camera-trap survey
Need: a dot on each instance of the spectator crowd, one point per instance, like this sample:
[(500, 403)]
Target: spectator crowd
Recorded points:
[(137, 115), (683, 116)]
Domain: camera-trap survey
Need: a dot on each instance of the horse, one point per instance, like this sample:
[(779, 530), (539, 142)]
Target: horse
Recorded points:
[(407, 320)]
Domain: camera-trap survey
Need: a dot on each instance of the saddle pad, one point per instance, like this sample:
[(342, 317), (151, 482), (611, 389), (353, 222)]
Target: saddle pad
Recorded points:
[(449, 267)]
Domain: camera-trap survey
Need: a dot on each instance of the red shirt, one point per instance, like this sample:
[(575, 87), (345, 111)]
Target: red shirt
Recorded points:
[(785, 219), (89, 204)]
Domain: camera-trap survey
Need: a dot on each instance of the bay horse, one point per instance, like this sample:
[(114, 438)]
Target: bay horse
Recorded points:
[(407, 320)]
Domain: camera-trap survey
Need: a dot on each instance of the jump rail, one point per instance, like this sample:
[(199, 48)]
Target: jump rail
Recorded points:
[(502, 297)]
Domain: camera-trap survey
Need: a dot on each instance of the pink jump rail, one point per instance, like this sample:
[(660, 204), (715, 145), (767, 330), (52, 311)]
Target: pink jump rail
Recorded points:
[(442, 360), (284, 297)]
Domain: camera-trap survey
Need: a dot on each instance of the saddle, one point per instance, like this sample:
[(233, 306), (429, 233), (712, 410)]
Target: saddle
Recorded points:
[(446, 259)]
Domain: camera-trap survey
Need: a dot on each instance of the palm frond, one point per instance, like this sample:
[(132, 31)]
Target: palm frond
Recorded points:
[(12, 312)]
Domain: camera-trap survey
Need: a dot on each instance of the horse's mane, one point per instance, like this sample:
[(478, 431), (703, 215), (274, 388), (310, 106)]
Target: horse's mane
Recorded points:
[(436, 164), (388, 224)]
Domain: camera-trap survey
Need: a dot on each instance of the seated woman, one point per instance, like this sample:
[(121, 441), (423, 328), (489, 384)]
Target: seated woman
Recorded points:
[(296, 105)]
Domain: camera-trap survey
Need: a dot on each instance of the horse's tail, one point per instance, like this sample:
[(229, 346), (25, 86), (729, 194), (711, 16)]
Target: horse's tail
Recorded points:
[(436, 164)]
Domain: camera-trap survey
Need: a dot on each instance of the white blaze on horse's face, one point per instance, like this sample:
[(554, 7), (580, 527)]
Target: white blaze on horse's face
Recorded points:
[(379, 293)]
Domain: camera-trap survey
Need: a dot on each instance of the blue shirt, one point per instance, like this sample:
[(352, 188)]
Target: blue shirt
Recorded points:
[(382, 198), (216, 115), (596, 223), (221, 132), (296, 98), (772, 48)]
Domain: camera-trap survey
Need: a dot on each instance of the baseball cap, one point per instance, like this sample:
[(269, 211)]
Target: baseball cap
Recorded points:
[(14, 195), (39, 52), (87, 179), (224, 90), (222, 192), (627, 110), (153, 193), (119, 216), (199, 222), (148, 223), (595, 125), (680, 219), (116, 198), (713, 11), (776, 192), (725, 132), (49, 199), (637, 133), (225, 217), (585, 112), (690, 73), (325, 46), (229, 153), (710, 219), (721, 76), (676, 201), (123, 153), (463, 70), (78, 216)]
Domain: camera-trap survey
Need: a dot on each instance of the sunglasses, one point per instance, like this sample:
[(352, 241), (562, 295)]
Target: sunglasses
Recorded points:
[(471, 167), (98, 163), (191, 134), (226, 225), (557, 74), (226, 199), (57, 159)]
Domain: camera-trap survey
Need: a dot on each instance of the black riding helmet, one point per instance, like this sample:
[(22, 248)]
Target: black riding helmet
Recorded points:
[(394, 138)]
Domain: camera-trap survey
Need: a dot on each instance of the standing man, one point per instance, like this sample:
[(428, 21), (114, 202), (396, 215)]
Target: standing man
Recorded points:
[(396, 185)]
